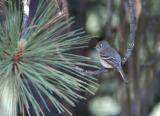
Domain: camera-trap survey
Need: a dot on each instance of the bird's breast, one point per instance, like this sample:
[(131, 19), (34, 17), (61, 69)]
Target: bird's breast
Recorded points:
[(105, 64)]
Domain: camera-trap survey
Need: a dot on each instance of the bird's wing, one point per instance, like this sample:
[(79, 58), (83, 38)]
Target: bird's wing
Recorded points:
[(112, 61), (112, 57)]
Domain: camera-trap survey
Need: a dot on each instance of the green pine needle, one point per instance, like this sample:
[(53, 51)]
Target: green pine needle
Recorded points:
[(40, 58)]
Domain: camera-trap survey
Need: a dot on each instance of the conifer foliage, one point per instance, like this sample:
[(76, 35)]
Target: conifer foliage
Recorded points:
[(40, 58)]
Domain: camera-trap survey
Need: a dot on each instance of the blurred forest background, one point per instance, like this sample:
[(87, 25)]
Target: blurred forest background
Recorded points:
[(107, 19)]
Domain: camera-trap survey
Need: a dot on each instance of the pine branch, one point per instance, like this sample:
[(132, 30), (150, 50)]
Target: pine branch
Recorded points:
[(36, 60)]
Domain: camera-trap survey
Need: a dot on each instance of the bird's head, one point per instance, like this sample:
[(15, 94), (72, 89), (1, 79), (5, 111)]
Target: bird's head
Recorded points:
[(102, 45)]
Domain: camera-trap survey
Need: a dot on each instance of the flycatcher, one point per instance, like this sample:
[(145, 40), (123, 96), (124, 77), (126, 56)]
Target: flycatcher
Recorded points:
[(110, 58)]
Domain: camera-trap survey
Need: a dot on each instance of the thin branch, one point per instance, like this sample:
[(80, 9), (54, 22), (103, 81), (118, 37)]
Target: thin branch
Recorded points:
[(81, 70), (89, 72), (132, 24)]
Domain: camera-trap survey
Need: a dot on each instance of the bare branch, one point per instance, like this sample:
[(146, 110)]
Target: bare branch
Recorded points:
[(89, 72), (132, 23)]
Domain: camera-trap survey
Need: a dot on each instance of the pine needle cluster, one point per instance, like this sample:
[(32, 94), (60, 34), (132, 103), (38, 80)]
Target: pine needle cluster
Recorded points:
[(40, 58)]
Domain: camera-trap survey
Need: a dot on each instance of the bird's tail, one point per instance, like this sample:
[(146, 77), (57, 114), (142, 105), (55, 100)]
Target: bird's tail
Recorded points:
[(124, 77)]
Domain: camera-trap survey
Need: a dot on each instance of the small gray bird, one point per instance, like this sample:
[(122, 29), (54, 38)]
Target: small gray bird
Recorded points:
[(110, 58)]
